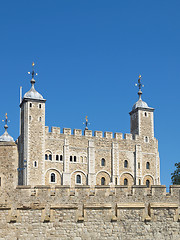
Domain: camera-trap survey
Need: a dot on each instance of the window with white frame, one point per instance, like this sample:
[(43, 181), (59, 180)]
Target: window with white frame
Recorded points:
[(78, 179), (53, 178)]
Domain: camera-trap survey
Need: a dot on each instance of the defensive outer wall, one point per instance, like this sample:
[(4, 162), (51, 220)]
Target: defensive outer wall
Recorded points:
[(102, 212)]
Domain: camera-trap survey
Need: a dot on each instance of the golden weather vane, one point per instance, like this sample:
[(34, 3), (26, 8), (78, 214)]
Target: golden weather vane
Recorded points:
[(86, 123), (139, 84), (33, 72), (6, 119)]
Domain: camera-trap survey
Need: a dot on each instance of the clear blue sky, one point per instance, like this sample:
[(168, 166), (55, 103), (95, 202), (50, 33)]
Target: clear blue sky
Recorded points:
[(88, 56)]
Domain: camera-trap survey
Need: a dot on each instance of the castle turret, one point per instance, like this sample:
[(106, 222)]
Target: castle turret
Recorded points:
[(32, 136), (142, 119), (8, 160)]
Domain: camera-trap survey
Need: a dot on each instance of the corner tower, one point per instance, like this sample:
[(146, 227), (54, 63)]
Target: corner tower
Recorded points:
[(142, 118), (32, 137)]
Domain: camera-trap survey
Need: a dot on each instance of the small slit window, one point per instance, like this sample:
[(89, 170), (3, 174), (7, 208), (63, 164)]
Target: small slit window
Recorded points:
[(39, 105), (147, 165), (145, 114), (53, 177), (103, 181), (74, 158), (35, 164), (0, 181), (125, 182), (139, 165), (139, 182), (61, 157), (78, 179), (29, 118), (57, 157), (146, 139), (30, 104), (125, 163), (70, 158), (39, 119), (102, 162), (147, 183)]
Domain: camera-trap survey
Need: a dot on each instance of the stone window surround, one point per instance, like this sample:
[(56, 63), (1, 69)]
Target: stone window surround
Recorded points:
[(76, 178), (36, 164), (48, 154), (146, 139), (126, 163), (103, 180), (103, 162), (50, 178)]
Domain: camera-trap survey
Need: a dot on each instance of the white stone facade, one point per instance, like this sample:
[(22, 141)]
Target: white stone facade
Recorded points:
[(66, 158)]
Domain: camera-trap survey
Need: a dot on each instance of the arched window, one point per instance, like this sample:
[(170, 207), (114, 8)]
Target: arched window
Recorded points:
[(35, 164), (53, 177), (147, 165), (57, 157), (102, 162), (125, 163), (103, 181), (125, 181), (46, 157), (78, 178), (74, 158), (145, 114), (147, 183), (146, 139), (50, 157), (61, 157), (30, 104), (39, 105)]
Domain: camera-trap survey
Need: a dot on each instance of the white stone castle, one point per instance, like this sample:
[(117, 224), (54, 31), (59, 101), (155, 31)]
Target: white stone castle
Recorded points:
[(55, 158)]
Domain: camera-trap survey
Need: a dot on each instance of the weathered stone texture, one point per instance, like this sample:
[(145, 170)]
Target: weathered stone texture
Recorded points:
[(74, 213)]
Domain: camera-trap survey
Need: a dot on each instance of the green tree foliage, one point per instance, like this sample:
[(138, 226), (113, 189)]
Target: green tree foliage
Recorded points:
[(176, 174)]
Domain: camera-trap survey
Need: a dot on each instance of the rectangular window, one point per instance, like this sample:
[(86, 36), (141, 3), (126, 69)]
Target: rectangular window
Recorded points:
[(70, 158)]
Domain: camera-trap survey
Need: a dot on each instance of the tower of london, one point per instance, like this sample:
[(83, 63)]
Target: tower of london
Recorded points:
[(55, 157), (64, 184)]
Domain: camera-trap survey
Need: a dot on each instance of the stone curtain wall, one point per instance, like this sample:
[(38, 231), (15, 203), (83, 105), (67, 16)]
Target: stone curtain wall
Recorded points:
[(90, 213)]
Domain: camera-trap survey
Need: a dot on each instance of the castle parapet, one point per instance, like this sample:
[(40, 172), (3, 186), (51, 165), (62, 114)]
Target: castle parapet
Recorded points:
[(118, 136), (77, 132), (67, 131), (88, 133), (108, 135), (55, 130), (98, 134), (128, 136)]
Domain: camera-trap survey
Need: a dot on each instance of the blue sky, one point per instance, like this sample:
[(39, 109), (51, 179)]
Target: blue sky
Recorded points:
[(88, 56)]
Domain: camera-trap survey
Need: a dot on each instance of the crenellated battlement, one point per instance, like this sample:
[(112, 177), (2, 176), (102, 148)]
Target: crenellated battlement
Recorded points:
[(111, 204), (89, 133)]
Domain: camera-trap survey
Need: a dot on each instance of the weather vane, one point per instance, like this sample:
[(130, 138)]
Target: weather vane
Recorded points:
[(6, 121), (139, 84), (86, 123), (33, 72)]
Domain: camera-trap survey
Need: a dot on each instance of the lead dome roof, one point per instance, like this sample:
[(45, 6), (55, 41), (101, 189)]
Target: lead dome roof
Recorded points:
[(32, 93)]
